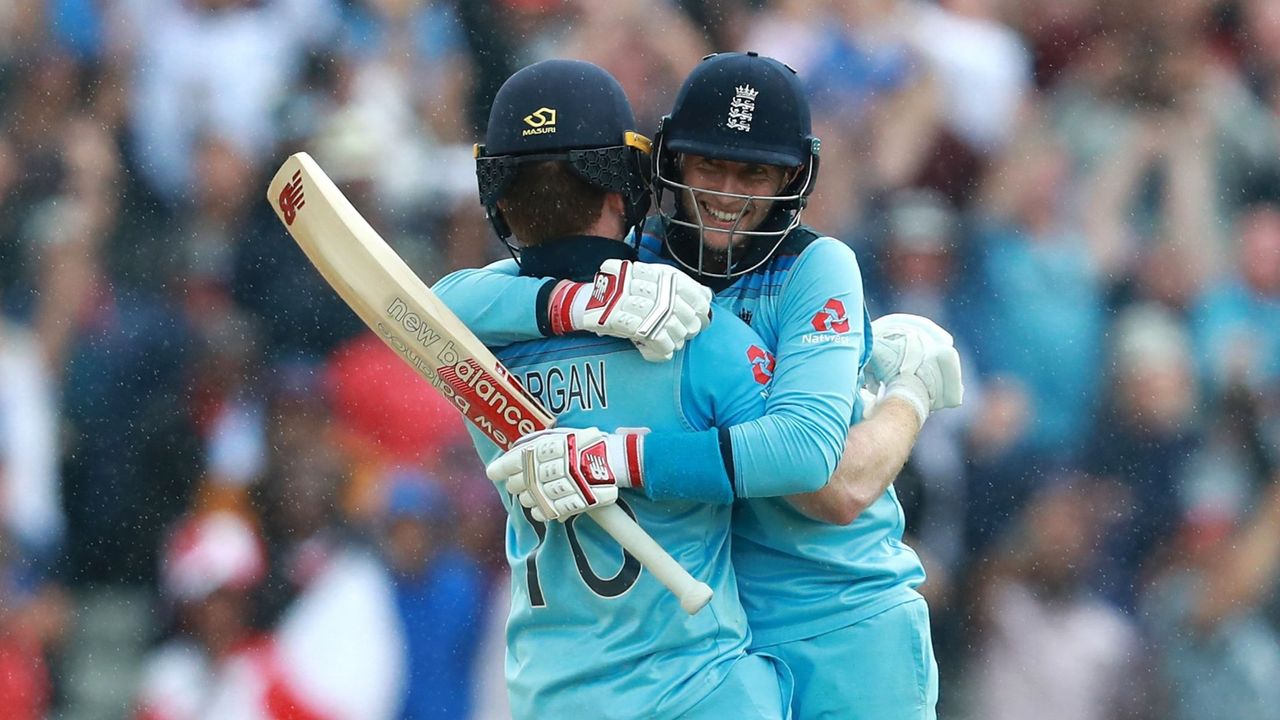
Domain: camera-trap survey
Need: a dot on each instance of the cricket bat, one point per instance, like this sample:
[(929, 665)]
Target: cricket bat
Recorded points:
[(373, 280)]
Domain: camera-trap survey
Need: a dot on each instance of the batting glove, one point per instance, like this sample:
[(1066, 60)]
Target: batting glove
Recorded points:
[(916, 360), (563, 472), (657, 307)]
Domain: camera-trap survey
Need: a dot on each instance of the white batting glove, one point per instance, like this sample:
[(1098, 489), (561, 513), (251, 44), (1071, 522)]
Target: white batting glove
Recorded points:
[(916, 360), (655, 306), (563, 472)]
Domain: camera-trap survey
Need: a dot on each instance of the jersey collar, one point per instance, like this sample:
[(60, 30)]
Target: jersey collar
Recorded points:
[(576, 257)]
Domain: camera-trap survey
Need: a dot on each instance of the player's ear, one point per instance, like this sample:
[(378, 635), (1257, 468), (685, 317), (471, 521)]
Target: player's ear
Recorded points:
[(790, 176), (614, 210), (614, 207)]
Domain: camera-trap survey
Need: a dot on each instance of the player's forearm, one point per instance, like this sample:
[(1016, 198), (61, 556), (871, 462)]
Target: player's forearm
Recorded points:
[(499, 307), (784, 453), (773, 456), (874, 453)]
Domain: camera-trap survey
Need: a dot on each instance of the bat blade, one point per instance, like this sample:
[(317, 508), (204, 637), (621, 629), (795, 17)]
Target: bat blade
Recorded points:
[(393, 301)]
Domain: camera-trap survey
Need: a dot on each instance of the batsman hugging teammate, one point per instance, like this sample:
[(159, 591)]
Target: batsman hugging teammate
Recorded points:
[(589, 634), (826, 582)]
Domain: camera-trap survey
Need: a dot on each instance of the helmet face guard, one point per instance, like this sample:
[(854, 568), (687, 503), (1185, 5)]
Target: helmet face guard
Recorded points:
[(744, 108), (759, 242)]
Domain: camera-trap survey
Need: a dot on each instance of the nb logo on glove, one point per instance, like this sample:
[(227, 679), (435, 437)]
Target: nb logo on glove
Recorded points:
[(603, 291), (596, 465)]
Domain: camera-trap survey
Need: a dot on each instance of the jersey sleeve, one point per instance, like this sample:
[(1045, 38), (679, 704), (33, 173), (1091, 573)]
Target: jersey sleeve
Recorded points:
[(723, 381), (823, 333), (496, 303)]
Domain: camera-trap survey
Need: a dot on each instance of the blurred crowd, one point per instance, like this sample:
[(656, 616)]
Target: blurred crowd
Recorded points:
[(220, 497)]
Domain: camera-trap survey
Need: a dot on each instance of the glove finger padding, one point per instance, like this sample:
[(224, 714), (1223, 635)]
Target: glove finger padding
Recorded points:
[(919, 323), (890, 335), (556, 489), (915, 360), (656, 350), (951, 391), (649, 304), (677, 332), (689, 318), (507, 466), (895, 352), (696, 298)]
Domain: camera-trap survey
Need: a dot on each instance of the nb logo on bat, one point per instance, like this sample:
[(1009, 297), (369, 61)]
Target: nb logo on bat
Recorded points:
[(292, 199)]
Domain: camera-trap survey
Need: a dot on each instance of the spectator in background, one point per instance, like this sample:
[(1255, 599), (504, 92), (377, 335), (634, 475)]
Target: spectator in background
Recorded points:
[(1261, 48), (1048, 648), (337, 643), (1038, 302), (58, 197), (34, 610), (210, 65), (1158, 90), (1218, 652), (132, 459), (983, 72), (439, 594), (211, 565), (1145, 438), (1237, 323), (34, 617), (915, 272), (650, 60), (387, 417), (229, 407), (870, 89), (30, 487), (399, 106), (982, 65)]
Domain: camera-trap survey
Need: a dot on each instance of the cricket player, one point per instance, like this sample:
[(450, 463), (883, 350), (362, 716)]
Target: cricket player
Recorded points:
[(826, 580), (589, 634)]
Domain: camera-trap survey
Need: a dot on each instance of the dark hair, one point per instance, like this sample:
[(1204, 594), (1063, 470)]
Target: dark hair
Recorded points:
[(548, 200)]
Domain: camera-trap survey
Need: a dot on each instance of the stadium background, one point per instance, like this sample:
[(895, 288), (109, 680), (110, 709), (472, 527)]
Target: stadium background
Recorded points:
[(214, 484)]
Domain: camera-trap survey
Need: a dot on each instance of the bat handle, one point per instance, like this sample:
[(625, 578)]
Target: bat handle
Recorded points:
[(692, 594)]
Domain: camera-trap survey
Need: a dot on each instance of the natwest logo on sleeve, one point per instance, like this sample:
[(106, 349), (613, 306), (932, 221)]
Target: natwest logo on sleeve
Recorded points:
[(761, 364), (831, 318), (831, 324)]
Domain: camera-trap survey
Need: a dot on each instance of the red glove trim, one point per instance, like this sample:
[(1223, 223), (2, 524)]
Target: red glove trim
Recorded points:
[(559, 309), (633, 461)]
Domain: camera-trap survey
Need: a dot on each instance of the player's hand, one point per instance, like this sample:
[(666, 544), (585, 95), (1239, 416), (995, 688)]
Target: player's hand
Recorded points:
[(563, 472), (655, 306), (916, 360)]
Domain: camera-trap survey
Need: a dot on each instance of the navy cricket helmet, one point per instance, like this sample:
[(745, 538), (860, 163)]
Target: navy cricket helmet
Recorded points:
[(740, 107), (565, 110)]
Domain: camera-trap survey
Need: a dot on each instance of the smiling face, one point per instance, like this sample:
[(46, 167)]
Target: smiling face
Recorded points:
[(729, 197)]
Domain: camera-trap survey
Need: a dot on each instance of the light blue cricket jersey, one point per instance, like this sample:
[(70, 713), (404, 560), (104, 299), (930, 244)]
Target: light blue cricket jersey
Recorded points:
[(798, 577), (590, 634)]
